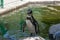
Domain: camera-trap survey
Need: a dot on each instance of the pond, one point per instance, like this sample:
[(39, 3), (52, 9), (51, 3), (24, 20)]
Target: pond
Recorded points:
[(44, 15)]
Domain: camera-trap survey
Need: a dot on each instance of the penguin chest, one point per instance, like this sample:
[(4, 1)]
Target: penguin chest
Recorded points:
[(30, 26)]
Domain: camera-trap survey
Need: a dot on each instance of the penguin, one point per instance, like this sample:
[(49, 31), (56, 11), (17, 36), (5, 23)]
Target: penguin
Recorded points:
[(30, 26), (31, 23)]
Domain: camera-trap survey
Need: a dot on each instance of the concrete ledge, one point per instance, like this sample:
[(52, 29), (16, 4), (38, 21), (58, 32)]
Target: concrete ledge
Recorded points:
[(6, 11), (17, 7)]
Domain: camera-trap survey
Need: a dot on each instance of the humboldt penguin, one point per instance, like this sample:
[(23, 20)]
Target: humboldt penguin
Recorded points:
[(31, 23)]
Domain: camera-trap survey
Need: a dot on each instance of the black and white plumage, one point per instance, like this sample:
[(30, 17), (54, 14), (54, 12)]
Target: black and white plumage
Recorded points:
[(31, 23)]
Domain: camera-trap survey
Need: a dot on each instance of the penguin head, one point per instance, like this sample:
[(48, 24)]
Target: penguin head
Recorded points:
[(29, 11)]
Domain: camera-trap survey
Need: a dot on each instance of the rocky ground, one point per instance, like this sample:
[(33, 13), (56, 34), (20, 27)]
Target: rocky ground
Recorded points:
[(33, 38)]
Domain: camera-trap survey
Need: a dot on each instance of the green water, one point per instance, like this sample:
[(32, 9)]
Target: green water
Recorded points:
[(43, 15)]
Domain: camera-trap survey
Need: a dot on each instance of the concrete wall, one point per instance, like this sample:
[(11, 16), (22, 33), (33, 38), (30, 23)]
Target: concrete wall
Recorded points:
[(9, 3), (20, 4), (40, 0)]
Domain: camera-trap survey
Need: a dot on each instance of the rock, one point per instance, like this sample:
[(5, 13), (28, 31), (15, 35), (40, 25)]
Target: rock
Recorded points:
[(54, 28), (33, 38)]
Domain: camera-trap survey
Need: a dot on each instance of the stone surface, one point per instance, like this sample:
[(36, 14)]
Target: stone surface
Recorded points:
[(33, 38)]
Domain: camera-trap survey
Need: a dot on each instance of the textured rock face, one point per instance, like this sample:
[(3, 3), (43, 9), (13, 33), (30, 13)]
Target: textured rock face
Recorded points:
[(33, 38), (54, 28)]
